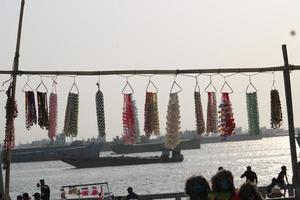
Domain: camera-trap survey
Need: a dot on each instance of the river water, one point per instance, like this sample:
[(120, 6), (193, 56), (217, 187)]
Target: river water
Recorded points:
[(266, 156)]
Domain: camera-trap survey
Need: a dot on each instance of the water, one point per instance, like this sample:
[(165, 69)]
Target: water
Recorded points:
[(266, 156)]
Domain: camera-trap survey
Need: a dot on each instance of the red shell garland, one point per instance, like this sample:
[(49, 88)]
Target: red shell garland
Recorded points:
[(226, 120), (128, 120)]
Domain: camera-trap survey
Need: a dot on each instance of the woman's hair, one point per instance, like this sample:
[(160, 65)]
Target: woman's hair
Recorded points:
[(249, 191), (197, 187), (222, 182)]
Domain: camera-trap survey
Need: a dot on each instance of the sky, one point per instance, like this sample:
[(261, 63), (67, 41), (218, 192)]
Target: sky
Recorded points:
[(140, 34)]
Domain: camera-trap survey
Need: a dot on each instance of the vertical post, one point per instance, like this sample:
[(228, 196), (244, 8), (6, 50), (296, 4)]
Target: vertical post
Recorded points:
[(15, 69), (290, 115)]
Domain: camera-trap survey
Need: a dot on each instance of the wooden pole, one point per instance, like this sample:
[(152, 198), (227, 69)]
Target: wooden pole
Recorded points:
[(14, 81), (290, 115)]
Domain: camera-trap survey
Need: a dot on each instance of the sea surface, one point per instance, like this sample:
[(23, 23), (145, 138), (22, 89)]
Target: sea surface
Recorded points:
[(266, 156)]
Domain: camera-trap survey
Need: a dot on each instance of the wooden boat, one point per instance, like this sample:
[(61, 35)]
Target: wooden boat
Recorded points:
[(120, 161)]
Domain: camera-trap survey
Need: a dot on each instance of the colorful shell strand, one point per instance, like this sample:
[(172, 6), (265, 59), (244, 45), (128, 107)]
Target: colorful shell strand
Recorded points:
[(128, 120), (151, 125), (172, 138), (276, 113), (212, 123), (43, 119), (71, 115), (100, 113), (52, 115), (199, 113), (253, 114), (30, 109), (226, 120)]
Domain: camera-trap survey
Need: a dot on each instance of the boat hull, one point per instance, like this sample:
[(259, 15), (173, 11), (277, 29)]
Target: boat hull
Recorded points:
[(152, 147), (51, 153), (117, 161)]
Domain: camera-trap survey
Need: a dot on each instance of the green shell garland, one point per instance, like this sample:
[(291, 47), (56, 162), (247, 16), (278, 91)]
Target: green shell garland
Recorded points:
[(253, 114)]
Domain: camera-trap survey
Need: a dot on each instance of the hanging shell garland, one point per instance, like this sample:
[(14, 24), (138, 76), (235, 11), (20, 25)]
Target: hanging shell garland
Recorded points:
[(199, 113), (276, 113), (100, 113), (71, 115), (172, 138), (43, 119), (226, 120), (11, 114), (30, 109), (136, 120), (52, 116), (212, 123), (151, 125), (128, 119), (253, 114)]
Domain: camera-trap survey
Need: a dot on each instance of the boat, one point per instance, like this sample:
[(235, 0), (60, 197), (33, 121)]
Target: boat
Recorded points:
[(86, 191), (121, 160), (55, 152), (120, 148)]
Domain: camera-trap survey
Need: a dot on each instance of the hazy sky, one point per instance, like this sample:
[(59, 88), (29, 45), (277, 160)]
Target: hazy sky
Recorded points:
[(140, 34)]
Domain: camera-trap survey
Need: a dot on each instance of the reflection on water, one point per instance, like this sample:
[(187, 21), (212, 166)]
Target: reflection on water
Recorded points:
[(265, 156)]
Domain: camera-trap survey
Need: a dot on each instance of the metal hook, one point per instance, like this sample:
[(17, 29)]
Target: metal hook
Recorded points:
[(250, 85), (273, 82), (210, 84), (41, 84), (226, 84), (151, 82), (54, 83), (175, 83), (27, 85), (127, 84), (74, 85), (197, 86), (98, 83), (7, 81)]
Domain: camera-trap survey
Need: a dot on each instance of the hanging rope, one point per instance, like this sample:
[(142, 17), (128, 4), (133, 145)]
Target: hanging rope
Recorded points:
[(30, 109), (276, 113), (253, 114), (226, 120), (211, 125), (172, 138), (71, 115)]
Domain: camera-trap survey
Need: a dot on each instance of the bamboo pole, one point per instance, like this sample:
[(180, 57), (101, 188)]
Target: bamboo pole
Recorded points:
[(290, 115), (161, 72), (14, 82)]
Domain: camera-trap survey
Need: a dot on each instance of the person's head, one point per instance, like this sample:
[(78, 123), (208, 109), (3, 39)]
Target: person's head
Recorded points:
[(283, 168), (220, 168), (248, 191), (197, 187), (222, 181), (248, 168), (36, 196), (19, 197), (129, 190), (25, 196), (42, 182)]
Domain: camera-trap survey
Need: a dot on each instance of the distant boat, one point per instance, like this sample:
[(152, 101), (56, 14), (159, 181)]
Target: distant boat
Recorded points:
[(55, 152), (152, 146), (119, 161)]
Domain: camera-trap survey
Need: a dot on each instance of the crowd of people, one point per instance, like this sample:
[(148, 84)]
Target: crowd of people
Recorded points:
[(221, 186), (43, 195)]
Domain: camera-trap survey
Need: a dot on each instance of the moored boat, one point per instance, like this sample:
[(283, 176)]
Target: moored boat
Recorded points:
[(120, 161), (55, 152)]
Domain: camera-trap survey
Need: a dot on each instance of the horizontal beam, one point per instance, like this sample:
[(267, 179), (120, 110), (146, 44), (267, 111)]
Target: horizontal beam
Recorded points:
[(178, 71)]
